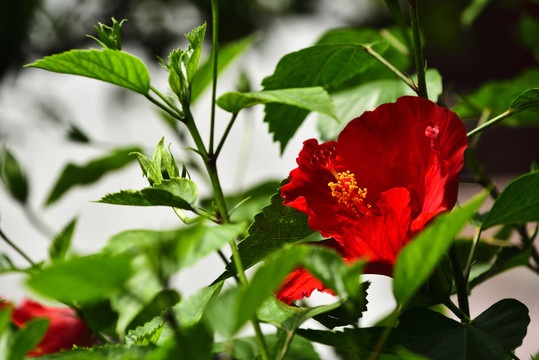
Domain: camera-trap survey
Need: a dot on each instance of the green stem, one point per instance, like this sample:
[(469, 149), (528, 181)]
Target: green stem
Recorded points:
[(164, 108), (396, 13), (460, 284), (418, 50), (16, 248), (455, 310), (168, 102), (286, 345), (396, 71), (471, 254), (491, 122), (222, 142), (214, 58)]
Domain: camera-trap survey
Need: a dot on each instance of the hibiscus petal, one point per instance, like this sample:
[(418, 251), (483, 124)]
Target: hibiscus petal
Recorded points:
[(379, 238)]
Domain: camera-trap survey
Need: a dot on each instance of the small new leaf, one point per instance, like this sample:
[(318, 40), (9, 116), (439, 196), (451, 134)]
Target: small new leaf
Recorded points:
[(111, 37), (61, 242)]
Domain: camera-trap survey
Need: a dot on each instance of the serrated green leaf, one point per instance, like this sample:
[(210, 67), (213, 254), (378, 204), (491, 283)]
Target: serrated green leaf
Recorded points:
[(492, 335), (308, 98), (497, 96), (75, 175), (354, 101), (413, 268), (27, 338), (528, 100), (195, 37), (147, 334), (112, 66), (276, 226), (227, 53), (61, 242), (85, 280), (517, 204), (178, 193), (148, 169), (13, 176)]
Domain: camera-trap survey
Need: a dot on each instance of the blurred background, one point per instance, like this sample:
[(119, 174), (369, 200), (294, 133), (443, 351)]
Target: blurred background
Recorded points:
[(48, 120)]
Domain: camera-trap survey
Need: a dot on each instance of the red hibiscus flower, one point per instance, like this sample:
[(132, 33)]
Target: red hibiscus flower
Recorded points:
[(65, 328), (388, 174)]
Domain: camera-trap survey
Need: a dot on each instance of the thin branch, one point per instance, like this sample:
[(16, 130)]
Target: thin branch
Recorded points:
[(16, 248), (390, 66), (227, 130), (418, 50)]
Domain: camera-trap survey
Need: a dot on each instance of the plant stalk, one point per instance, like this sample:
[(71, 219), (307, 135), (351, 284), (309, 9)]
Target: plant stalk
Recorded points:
[(491, 122), (390, 66), (418, 50), (462, 290), (214, 60), (227, 130), (16, 248)]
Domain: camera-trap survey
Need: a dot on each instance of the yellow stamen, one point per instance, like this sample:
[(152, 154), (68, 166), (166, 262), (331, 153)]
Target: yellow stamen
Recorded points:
[(346, 191)]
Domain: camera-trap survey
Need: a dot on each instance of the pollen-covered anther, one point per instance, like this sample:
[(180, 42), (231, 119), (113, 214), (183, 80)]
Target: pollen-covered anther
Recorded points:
[(346, 191)]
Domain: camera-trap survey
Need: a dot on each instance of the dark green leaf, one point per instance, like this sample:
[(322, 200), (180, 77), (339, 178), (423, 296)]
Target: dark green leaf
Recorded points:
[(497, 96), (360, 341), (492, 335), (528, 100), (61, 242), (353, 102), (115, 67), (274, 227), (227, 53), (100, 317), (308, 98), (26, 338), (529, 32), (178, 193), (517, 204), (13, 176), (507, 258), (75, 175), (84, 280), (413, 268), (162, 300)]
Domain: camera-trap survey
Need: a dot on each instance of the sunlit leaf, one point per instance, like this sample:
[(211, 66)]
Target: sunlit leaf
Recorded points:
[(178, 193), (115, 67), (492, 335), (413, 267), (517, 204), (308, 98), (85, 279), (77, 175), (354, 101)]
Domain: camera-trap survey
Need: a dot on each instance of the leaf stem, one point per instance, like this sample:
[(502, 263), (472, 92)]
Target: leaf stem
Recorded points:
[(462, 291), (418, 50), (455, 310), (167, 101), (214, 59), (468, 267), (491, 122), (390, 66), (227, 130), (16, 248)]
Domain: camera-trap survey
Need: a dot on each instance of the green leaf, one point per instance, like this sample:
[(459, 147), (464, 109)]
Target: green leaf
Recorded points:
[(85, 280), (110, 37), (517, 204), (112, 66), (413, 267), (27, 338), (75, 175), (322, 65), (360, 341), (309, 98), (5, 314), (472, 11), (276, 226), (178, 193), (116, 352), (529, 99), (507, 258), (492, 335), (195, 37), (227, 54), (497, 96), (61, 242), (148, 169), (354, 101), (147, 334), (13, 176)]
